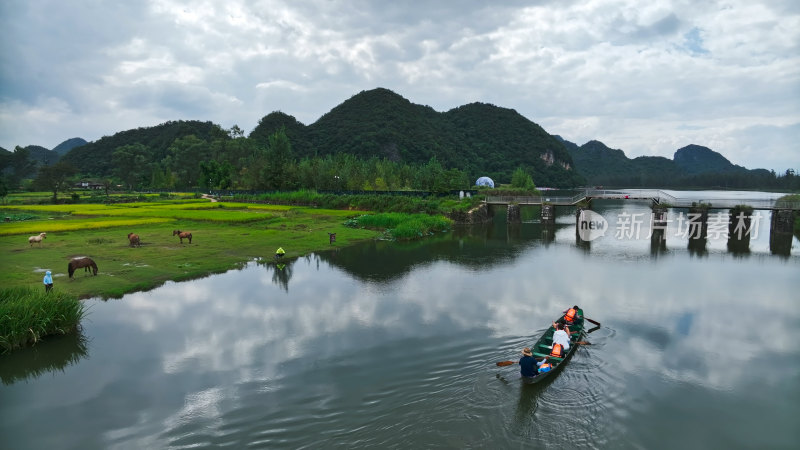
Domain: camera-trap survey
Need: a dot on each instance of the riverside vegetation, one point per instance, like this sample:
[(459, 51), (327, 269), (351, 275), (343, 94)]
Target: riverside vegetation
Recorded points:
[(226, 235), (28, 314)]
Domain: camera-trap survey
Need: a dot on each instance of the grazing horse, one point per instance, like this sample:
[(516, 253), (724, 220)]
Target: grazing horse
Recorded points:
[(84, 262), (134, 239), (34, 239), (183, 235)]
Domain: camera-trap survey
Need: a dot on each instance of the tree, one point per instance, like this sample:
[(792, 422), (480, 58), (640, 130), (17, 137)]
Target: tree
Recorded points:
[(184, 159), (279, 172), (21, 166), (55, 178), (132, 164), (107, 183), (3, 189), (522, 179), (235, 132), (214, 175)]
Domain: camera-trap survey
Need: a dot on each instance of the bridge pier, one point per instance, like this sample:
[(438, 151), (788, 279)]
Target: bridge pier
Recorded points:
[(780, 232), (740, 220), (658, 238), (513, 214), (698, 229), (579, 241), (548, 214)]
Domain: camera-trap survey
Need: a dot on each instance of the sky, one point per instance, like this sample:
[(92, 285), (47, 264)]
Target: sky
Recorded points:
[(644, 77)]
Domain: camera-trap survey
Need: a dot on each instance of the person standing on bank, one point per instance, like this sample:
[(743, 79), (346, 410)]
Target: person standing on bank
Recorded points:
[(48, 281)]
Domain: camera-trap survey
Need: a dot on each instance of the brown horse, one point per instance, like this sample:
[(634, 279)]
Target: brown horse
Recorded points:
[(84, 262), (34, 239), (134, 239), (183, 235)]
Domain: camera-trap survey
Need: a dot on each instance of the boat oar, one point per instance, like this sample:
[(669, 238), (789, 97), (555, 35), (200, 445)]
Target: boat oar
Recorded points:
[(593, 321), (508, 363)]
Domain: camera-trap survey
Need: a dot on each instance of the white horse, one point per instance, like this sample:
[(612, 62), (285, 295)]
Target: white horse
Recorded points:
[(38, 239)]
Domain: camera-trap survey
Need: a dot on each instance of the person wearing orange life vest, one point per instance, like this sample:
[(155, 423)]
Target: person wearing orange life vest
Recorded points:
[(560, 339), (571, 316)]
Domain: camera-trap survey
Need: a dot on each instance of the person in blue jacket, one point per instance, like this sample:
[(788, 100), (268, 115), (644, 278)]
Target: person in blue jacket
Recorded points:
[(48, 281)]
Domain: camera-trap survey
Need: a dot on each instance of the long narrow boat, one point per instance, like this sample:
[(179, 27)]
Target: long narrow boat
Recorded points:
[(544, 346)]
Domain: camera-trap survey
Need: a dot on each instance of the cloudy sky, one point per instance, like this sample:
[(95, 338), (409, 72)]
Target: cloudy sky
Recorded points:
[(644, 77)]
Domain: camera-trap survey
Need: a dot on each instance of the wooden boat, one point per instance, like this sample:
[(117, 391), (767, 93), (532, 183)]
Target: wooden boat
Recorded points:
[(544, 345)]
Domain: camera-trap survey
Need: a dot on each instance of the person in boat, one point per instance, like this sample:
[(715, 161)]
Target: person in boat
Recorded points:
[(560, 340), (527, 364), (544, 365), (571, 316)]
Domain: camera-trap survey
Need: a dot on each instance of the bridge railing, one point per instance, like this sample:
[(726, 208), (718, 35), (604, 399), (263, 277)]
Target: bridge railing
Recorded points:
[(536, 200)]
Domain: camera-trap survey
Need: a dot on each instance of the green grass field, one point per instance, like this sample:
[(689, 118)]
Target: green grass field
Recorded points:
[(225, 236)]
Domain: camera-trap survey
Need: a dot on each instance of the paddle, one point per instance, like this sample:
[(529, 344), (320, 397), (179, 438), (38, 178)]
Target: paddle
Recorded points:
[(508, 363), (593, 321)]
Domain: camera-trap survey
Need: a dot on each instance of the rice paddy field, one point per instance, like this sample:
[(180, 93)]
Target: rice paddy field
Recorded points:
[(224, 236)]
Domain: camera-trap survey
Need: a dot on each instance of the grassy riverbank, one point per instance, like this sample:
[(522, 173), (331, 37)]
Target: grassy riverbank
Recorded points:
[(29, 314), (225, 236)]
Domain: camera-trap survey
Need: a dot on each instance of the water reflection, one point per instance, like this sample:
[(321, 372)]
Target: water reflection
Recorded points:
[(780, 243), (658, 243), (281, 271), (377, 339), (53, 354)]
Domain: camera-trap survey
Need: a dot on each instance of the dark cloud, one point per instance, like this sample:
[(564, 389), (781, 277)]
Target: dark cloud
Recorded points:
[(642, 77)]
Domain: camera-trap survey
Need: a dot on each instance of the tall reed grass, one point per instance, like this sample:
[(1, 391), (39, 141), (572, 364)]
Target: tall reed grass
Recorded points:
[(27, 315)]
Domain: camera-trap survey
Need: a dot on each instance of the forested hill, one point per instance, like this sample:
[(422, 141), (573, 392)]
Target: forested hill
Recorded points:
[(370, 128), (68, 145), (95, 158), (478, 138), (42, 156), (691, 166)]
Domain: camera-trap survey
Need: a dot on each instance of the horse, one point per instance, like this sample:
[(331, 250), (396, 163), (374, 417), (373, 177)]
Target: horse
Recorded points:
[(84, 262), (38, 239), (183, 235), (134, 239)]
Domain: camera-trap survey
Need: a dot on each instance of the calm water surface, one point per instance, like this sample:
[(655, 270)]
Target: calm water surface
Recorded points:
[(387, 345)]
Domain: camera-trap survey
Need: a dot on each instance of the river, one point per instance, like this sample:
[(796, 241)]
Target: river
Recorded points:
[(394, 345)]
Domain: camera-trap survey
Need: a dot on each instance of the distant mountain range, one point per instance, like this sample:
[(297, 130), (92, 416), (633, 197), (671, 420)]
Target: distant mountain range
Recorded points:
[(479, 138), (693, 166)]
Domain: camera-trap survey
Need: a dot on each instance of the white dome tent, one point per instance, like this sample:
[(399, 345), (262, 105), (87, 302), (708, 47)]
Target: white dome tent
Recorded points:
[(485, 181)]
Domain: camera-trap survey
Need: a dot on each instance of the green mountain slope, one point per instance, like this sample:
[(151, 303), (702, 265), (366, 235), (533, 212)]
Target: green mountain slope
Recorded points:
[(95, 158), (68, 145), (42, 156), (479, 138), (692, 166), (696, 159)]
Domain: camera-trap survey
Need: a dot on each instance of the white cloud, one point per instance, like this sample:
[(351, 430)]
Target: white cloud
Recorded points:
[(647, 78)]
